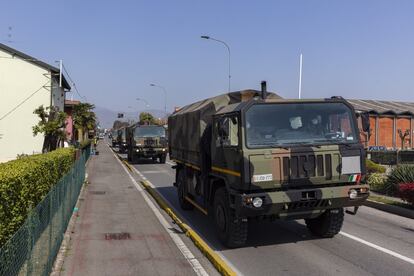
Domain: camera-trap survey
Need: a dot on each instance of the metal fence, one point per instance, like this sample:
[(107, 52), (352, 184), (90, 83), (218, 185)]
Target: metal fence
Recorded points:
[(33, 248), (392, 157)]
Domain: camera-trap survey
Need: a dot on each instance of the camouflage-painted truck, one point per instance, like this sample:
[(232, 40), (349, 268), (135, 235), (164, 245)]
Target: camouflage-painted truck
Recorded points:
[(114, 137), (122, 139), (146, 141), (251, 155)]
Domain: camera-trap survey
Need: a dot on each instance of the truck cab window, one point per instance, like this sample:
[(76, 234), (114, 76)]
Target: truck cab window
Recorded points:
[(227, 132)]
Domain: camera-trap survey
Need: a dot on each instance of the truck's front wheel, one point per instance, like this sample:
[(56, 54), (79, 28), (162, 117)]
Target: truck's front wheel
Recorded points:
[(231, 231), (163, 159), (181, 190), (328, 224)]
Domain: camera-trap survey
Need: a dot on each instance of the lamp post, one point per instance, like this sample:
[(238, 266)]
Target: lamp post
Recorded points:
[(228, 49), (165, 96)]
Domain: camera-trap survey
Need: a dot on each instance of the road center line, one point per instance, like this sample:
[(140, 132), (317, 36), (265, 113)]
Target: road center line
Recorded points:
[(382, 249), (195, 264)]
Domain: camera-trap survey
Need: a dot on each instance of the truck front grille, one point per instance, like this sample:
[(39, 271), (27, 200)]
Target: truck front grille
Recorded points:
[(310, 165)]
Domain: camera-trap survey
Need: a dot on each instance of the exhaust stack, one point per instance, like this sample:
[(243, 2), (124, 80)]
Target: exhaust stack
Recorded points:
[(263, 85)]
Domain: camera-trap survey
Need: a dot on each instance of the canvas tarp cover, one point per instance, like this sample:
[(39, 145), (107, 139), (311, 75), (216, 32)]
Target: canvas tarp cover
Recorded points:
[(190, 127)]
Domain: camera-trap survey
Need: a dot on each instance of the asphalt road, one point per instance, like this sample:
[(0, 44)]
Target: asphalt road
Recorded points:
[(371, 243)]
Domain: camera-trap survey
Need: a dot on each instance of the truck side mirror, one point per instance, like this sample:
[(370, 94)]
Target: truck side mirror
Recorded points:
[(365, 122)]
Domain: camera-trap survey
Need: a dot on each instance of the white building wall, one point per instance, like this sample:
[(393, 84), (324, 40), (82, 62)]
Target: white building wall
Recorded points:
[(19, 79)]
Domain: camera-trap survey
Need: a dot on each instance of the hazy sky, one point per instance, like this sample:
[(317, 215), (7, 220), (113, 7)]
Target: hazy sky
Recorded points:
[(115, 49)]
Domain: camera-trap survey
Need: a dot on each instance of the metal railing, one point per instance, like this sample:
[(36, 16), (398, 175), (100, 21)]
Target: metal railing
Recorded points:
[(33, 248)]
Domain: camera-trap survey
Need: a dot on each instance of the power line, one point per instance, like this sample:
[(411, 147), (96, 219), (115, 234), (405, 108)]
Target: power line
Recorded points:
[(21, 103), (73, 83)]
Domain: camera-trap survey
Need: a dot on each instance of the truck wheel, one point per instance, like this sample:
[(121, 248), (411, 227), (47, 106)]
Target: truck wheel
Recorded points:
[(328, 224), (163, 158), (231, 231), (184, 204), (129, 157)]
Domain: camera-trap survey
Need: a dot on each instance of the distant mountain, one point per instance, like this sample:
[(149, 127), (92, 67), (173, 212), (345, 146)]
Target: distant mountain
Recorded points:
[(107, 116)]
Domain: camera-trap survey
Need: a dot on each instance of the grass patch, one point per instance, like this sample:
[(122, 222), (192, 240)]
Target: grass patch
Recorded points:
[(381, 199)]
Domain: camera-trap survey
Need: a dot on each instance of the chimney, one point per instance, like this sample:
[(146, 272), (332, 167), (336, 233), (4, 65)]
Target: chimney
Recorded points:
[(264, 89)]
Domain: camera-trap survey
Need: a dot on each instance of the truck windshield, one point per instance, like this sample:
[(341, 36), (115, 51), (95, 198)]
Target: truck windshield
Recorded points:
[(299, 123), (149, 131)]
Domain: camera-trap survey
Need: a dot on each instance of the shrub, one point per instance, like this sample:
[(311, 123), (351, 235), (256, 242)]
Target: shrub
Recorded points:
[(25, 182), (85, 143), (376, 182), (373, 167), (401, 174), (406, 192)]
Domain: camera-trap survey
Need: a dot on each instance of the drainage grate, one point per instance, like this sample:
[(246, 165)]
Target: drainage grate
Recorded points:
[(130, 187), (97, 192), (117, 236)]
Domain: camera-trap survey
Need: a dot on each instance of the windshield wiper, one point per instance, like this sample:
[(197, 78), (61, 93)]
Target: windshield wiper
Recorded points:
[(304, 144)]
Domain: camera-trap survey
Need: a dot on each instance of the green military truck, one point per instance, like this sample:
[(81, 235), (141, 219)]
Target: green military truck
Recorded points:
[(251, 155), (146, 141), (114, 137), (122, 139)]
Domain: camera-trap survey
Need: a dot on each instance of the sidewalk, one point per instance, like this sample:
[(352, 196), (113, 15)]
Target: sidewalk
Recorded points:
[(116, 233)]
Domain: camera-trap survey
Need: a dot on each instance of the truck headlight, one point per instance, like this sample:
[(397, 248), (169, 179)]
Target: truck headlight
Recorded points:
[(353, 194), (257, 202), (163, 149)]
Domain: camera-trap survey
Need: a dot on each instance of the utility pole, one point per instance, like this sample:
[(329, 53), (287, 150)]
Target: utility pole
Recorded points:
[(300, 76)]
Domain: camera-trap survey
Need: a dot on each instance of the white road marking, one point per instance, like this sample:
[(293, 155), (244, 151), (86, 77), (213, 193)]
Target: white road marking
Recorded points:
[(175, 211), (170, 163), (382, 249), (195, 264)]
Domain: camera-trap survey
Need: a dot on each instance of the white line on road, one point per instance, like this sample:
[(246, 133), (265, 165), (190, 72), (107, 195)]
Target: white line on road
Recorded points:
[(195, 264), (382, 249)]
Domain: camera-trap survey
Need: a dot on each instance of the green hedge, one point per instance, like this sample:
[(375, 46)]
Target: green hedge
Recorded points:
[(25, 182)]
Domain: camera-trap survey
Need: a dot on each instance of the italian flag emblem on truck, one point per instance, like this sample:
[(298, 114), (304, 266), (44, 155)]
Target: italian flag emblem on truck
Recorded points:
[(354, 178)]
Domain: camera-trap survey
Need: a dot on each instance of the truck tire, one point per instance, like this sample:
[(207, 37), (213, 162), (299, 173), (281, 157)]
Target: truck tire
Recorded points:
[(328, 224), (163, 159), (181, 190), (129, 157), (231, 231)]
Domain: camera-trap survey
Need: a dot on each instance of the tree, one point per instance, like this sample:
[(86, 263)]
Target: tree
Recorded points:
[(84, 119), (146, 118), (52, 124)]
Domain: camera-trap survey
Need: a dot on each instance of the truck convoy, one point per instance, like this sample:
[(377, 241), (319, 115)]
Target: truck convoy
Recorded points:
[(146, 141), (250, 155)]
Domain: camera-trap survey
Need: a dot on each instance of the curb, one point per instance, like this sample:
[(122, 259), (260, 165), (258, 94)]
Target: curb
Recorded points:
[(222, 267), (396, 210)]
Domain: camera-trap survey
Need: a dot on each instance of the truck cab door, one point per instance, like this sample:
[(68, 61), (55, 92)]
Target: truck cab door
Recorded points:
[(226, 153)]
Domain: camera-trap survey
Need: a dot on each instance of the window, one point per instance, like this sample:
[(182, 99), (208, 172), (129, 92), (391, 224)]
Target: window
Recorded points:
[(299, 123), (227, 129)]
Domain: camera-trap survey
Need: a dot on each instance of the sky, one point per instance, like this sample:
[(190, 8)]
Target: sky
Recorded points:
[(113, 50)]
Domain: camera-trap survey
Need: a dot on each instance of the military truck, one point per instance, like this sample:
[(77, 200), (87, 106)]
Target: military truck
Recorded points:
[(122, 139), (250, 155), (114, 137), (146, 141)]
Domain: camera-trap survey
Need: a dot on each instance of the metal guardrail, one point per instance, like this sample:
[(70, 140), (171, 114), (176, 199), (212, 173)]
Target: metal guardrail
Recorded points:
[(392, 157), (33, 248)]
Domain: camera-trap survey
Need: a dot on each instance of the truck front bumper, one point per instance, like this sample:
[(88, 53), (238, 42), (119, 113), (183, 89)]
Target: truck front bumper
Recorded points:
[(301, 203), (149, 152)]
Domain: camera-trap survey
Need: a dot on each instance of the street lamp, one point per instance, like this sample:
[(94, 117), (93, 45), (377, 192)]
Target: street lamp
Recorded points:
[(146, 103), (228, 49), (165, 96)]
